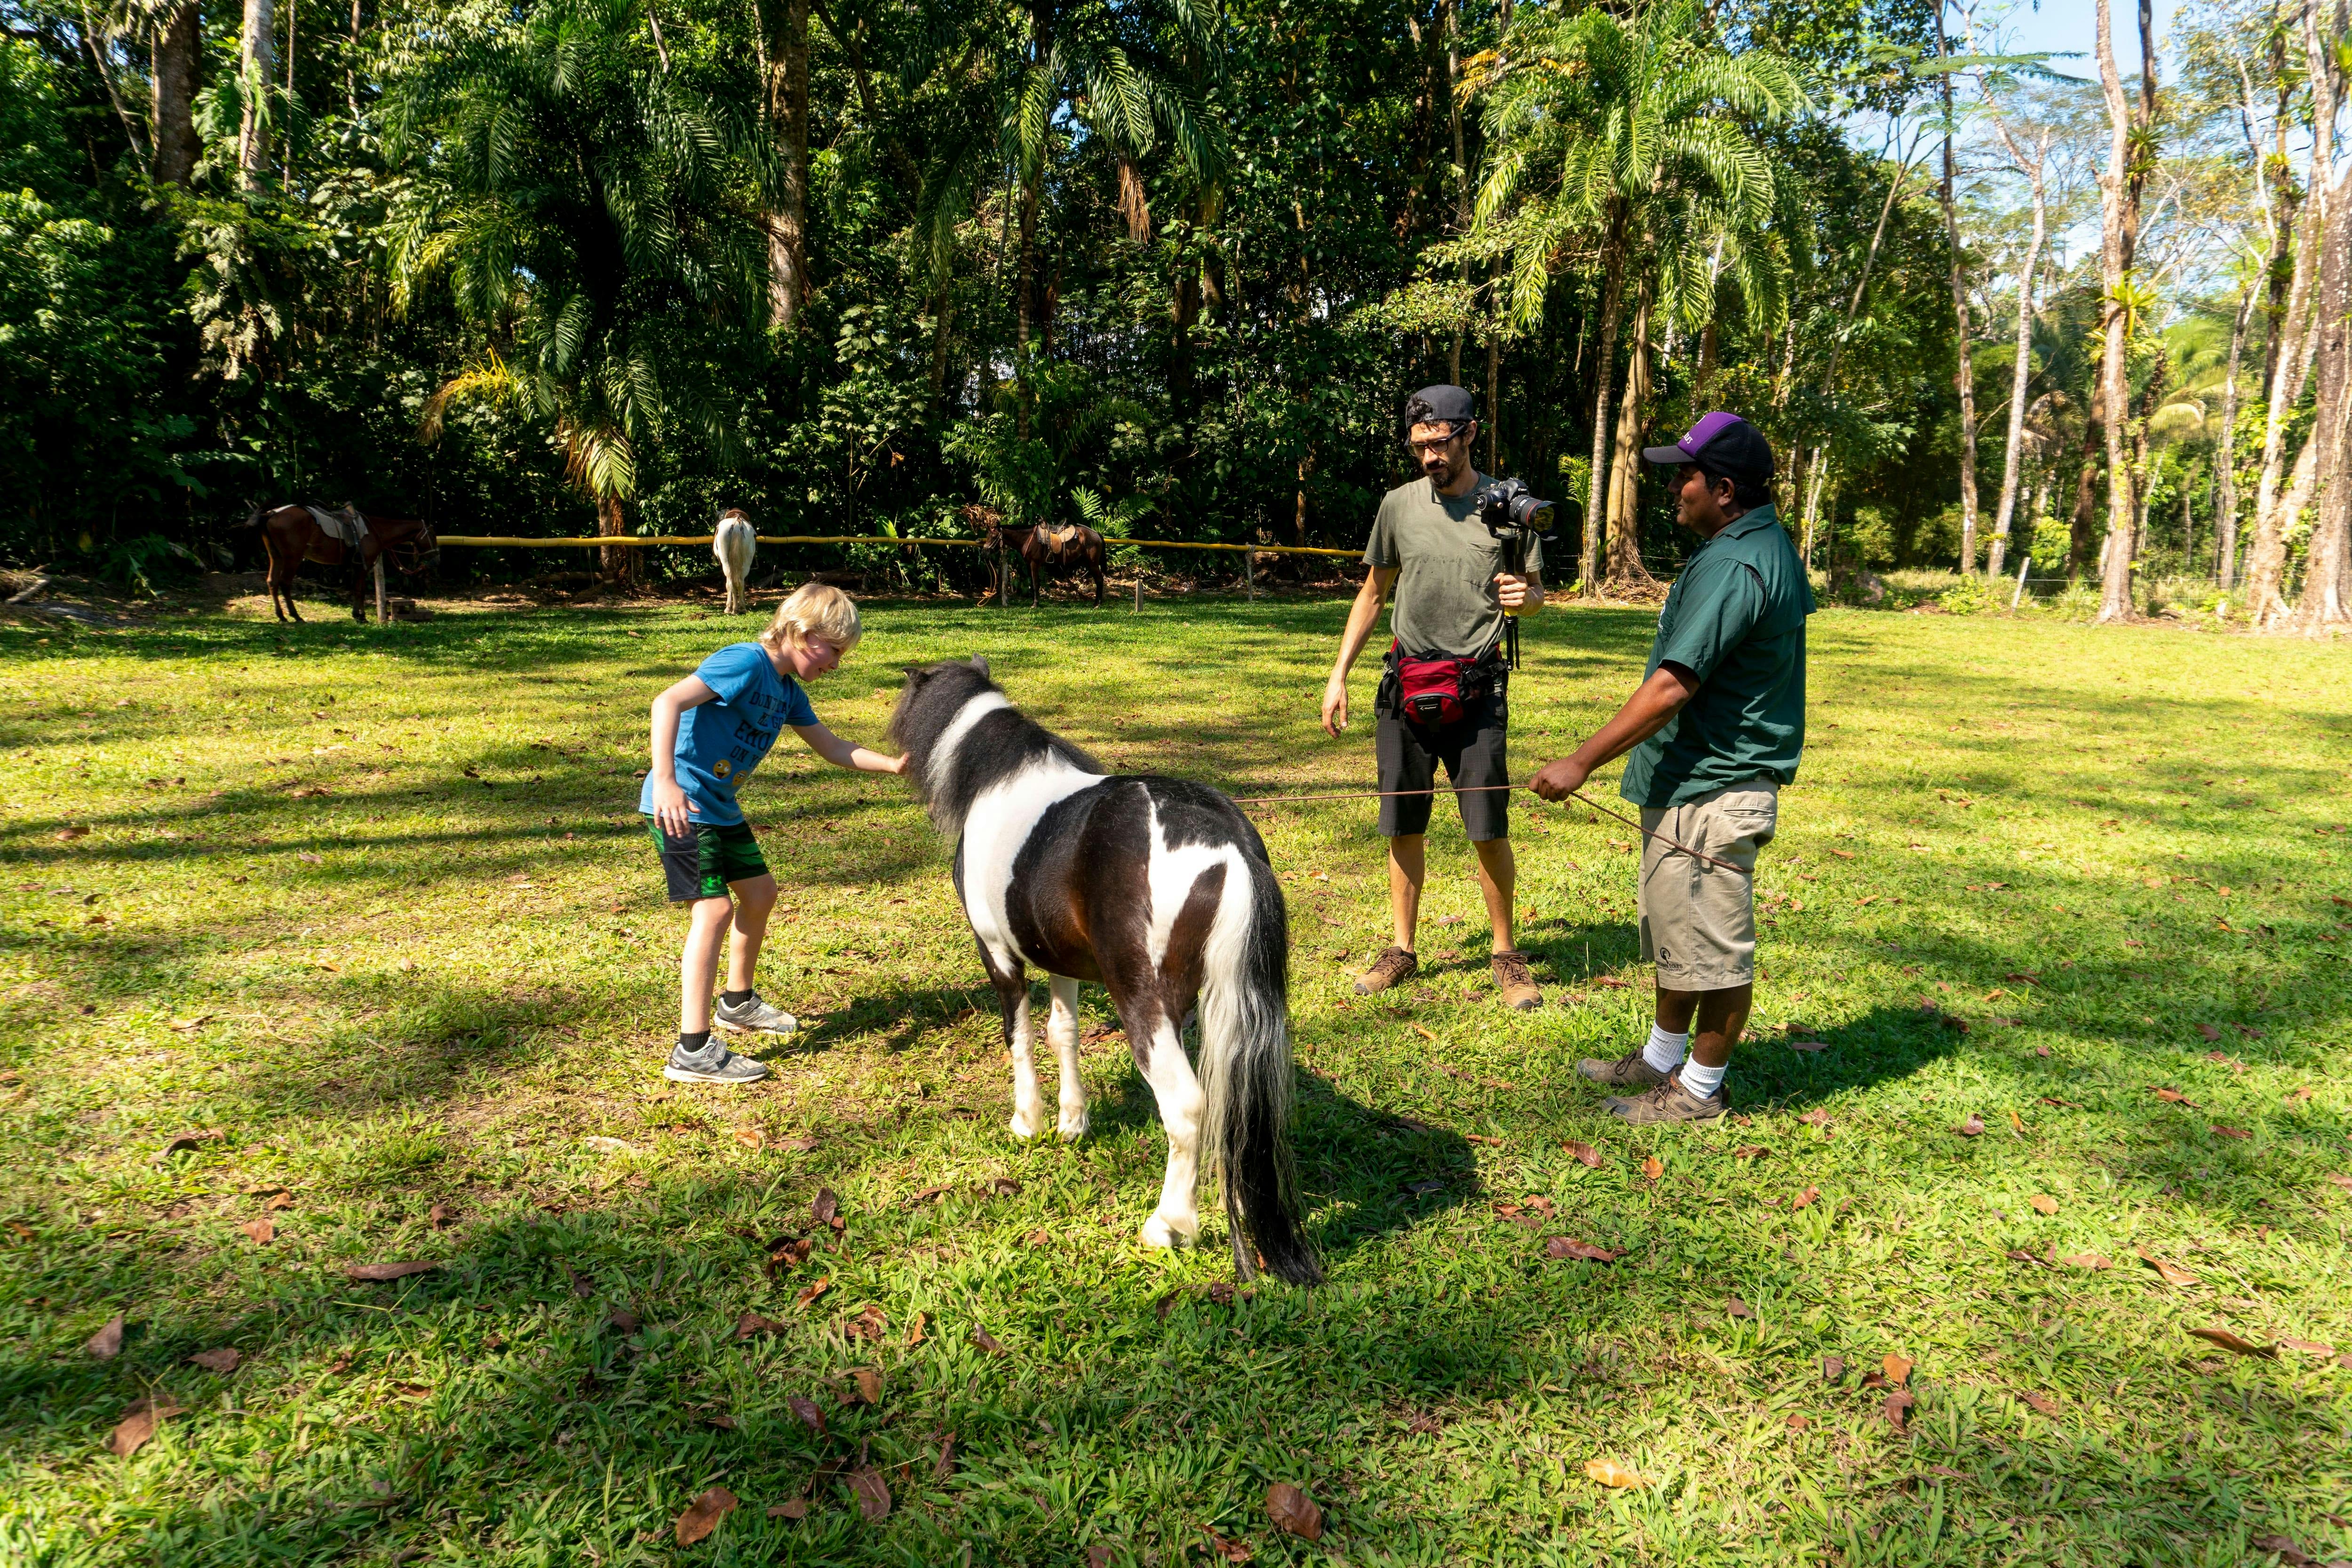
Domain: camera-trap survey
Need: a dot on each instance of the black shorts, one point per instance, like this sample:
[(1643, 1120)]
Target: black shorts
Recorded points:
[(1473, 751), (701, 864)]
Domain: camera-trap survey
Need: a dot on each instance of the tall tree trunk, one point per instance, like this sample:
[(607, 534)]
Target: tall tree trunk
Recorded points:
[(286, 136), (611, 521), (787, 89), (178, 56), (1452, 11), (942, 318), (2266, 562), (1626, 467), (2323, 603), (1964, 374), (2083, 524), (1612, 302), (2022, 372), (2225, 464), (1495, 374), (2118, 226), (256, 60), (351, 65)]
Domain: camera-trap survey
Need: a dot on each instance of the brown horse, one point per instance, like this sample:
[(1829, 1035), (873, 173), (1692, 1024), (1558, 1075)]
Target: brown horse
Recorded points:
[(1070, 547), (292, 536)]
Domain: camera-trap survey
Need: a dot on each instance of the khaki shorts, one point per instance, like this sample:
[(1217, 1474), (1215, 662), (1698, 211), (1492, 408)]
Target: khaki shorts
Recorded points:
[(1699, 921)]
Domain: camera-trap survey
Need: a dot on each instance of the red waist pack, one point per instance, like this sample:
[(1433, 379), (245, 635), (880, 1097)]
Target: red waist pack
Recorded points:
[(1436, 692)]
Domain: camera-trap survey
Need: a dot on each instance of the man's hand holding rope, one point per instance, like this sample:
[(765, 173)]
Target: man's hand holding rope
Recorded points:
[(1651, 708)]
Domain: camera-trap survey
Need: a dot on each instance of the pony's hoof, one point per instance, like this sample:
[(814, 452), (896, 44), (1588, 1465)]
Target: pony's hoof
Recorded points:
[(1023, 1125), (1158, 1232), (1072, 1125)]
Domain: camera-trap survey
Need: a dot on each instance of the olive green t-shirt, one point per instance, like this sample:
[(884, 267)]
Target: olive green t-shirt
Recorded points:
[(1446, 561), (1735, 619)]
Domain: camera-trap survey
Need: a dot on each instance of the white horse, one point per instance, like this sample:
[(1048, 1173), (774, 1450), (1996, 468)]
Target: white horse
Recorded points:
[(1158, 889), (735, 545)]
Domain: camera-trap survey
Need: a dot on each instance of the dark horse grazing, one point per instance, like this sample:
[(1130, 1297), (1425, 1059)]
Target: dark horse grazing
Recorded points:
[(293, 536), (1159, 890), (1069, 547)]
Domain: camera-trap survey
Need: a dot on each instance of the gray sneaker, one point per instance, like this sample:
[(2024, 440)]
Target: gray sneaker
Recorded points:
[(1631, 1070), (714, 1063), (1670, 1101), (754, 1017)]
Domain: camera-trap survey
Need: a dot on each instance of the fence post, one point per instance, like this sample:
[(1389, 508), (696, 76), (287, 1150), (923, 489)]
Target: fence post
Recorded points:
[(1138, 587), (2022, 568), (1249, 570)]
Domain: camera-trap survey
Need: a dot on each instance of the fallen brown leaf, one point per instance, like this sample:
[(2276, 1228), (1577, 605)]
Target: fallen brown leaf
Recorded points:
[(2209, 1031), (1610, 1473), (1231, 1551), (1833, 1369), (1806, 1199), (792, 1507), (1653, 1167), (180, 1143), (811, 1292), (928, 1194), (2222, 1132), (1424, 1034), (622, 1320), (2042, 1202), (138, 1425), (2172, 1096), (2041, 1402), (1898, 1405), (872, 1492), (1737, 1308), (806, 1410), (280, 1202), (826, 1206), (1098, 1557), (1798, 1423), (1897, 1368), (1584, 1151), (915, 1330), (182, 1026), (261, 1230), (750, 1138), (107, 1343), (2090, 1261), (702, 1516), (2290, 1556), (1293, 1510), (987, 1342), (223, 1360), (2232, 1343), (2309, 1347), (2170, 1273), (1973, 1127), (944, 1466), (1565, 1247), (868, 1382), (752, 1323), (440, 1215), (1750, 1152), (376, 1273)]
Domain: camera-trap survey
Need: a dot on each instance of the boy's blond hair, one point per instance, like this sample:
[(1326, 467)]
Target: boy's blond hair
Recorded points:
[(813, 609)]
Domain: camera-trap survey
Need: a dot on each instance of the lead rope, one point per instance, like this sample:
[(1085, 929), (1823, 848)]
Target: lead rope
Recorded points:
[(1479, 789)]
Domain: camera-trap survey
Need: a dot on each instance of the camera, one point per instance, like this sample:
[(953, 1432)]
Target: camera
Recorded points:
[(1509, 504)]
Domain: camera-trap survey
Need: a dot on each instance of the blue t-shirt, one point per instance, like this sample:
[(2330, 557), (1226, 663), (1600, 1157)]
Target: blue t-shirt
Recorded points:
[(719, 742)]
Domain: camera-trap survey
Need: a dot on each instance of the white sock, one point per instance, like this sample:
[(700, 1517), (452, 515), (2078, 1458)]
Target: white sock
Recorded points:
[(1703, 1081), (1664, 1051)]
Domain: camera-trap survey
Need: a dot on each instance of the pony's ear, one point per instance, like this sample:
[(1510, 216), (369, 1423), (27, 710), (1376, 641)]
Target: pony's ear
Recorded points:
[(979, 662)]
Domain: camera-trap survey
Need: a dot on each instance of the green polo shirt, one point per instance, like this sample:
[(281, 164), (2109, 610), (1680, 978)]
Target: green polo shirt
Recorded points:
[(1735, 619)]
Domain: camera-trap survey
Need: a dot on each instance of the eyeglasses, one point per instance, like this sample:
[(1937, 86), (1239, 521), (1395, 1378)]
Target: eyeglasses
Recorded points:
[(1426, 447)]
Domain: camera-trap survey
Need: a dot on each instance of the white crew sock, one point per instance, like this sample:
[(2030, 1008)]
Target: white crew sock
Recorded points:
[(1664, 1051), (1703, 1081)]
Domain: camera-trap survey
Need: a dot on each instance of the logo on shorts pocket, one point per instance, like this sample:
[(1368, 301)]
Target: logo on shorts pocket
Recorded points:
[(722, 768)]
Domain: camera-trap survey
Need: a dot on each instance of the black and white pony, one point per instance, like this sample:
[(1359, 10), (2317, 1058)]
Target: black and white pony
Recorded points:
[(1159, 890)]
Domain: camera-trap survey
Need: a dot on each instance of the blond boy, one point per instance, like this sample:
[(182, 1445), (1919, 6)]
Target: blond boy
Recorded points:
[(709, 731)]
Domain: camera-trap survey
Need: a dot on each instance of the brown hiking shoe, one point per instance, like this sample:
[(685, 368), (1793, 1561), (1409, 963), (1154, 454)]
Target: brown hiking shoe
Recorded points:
[(1631, 1070), (1516, 981), (1670, 1101), (1394, 966)]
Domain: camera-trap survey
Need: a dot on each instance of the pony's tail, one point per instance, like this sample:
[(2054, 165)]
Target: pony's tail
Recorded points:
[(1245, 1073)]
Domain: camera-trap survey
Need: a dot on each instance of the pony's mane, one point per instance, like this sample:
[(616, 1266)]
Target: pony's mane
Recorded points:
[(957, 754)]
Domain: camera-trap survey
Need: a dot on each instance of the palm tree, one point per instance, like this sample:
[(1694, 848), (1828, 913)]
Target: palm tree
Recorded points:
[(595, 221), (1629, 134)]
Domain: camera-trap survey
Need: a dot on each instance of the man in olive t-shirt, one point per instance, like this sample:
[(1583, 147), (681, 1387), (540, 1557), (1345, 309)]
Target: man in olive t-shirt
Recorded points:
[(1716, 728), (1452, 592)]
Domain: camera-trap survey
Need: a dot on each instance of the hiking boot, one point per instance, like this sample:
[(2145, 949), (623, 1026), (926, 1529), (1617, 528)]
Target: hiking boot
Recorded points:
[(1631, 1070), (753, 1017), (714, 1063), (1669, 1101), (1516, 981), (1394, 966)]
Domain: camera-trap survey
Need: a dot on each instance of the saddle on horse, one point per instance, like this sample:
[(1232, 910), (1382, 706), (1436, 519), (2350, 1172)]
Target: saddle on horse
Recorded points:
[(1058, 536), (346, 526)]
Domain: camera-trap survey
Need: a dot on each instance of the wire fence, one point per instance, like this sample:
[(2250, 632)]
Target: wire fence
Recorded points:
[(640, 540)]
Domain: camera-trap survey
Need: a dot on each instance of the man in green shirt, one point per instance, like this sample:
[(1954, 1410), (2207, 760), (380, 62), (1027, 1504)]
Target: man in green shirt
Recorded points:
[(1452, 595), (1717, 726)]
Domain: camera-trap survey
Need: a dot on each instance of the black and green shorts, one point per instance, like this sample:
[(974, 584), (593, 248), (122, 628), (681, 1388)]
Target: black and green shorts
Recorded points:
[(701, 864)]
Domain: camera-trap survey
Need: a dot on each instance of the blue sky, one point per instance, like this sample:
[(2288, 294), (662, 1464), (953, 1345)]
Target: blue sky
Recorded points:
[(2062, 24)]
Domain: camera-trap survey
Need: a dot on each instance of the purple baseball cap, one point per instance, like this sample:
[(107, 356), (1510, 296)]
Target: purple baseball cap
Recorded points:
[(1721, 444)]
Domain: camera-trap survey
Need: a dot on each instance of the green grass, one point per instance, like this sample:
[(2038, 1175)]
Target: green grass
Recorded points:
[(432, 985)]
